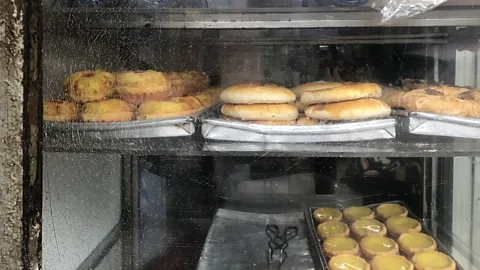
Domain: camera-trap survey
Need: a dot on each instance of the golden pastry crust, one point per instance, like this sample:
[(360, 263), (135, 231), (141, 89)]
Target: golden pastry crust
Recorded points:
[(209, 96), (329, 229), (306, 121), (300, 106), (60, 110), (111, 110), (388, 210), (345, 92), (398, 225), (171, 108), (381, 262), (324, 214), (412, 243), (257, 93), (144, 85), (348, 262), (367, 227), (89, 85), (433, 260), (372, 246), (334, 246), (349, 110), (261, 112), (187, 83), (313, 86), (354, 213)]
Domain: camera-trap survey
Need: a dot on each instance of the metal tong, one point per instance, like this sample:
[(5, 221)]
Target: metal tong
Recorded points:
[(279, 241)]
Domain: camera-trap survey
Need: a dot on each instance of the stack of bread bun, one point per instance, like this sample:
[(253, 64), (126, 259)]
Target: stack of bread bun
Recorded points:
[(440, 99), (260, 103), (101, 96), (332, 101)]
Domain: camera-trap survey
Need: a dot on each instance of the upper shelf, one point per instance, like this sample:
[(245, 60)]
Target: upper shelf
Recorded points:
[(251, 18)]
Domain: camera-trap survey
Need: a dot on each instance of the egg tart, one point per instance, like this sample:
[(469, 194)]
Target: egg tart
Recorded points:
[(399, 225), (337, 245), (433, 260), (372, 246), (412, 243), (388, 210), (367, 227), (390, 262), (348, 262), (332, 228), (323, 214), (355, 213)]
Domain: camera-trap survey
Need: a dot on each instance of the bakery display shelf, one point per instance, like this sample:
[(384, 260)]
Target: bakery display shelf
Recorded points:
[(250, 18), (320, 257), (423, 123)]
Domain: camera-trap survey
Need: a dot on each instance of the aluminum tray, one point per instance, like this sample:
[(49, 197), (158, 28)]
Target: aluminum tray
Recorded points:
[(237, 240), (423, 123), (171, 127), (320, 258), (214, 128)]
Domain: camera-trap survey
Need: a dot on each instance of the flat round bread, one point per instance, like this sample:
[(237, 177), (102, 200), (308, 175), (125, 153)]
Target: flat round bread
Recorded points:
[(261, 112), (349, 110), (348, 91), (314, 86), (257, 93)]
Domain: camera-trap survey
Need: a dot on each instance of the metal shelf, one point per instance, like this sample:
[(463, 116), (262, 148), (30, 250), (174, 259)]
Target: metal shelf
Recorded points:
[(252, 18)]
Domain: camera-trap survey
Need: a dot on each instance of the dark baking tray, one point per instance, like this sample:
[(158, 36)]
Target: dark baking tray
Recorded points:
[(320, 259)]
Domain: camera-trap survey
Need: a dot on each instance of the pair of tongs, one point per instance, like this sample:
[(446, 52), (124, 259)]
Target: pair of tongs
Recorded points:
[(279, 242)]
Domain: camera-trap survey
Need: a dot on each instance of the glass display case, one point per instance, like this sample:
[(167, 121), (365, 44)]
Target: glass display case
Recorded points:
[(132, 184)]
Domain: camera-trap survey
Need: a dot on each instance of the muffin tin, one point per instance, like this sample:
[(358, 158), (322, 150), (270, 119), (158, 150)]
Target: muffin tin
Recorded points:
[(320, 258)]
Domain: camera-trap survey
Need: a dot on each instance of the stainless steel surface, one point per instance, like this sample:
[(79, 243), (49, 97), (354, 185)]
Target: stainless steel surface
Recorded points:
[(238, 240), (172, 127), (214, 128), (251, 18), (423, 123), (320, 258)]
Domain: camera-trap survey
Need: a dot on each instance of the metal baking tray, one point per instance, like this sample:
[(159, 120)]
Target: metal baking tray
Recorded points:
[(215, 128), (237, 240), (423, 123), (320, 259)]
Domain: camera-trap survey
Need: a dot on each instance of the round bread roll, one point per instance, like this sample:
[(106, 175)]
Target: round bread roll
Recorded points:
[(140, 86), (349, 110), (111, 110), (89, 85), (257, 93), (348, 91), (261, 112), (305, 121), (60, 110), (313, 86), (171, 108)]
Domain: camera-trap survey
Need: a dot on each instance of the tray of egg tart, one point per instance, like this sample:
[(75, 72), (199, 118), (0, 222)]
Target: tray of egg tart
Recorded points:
[(377, 237)]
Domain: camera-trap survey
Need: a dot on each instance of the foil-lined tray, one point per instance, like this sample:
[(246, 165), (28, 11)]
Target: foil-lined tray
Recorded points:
[(169, 127), (320, 258), (423, 123), (237, 240), (215, 128)]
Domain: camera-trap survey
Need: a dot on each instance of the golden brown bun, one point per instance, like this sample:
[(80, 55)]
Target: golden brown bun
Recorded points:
[(142, 82), (349, 110), (257, 93), (261, 112), (60, 110), (313, 86), (348, 262), (171, 108), (111, 110), (412, 243), (338, 245), (89, 85), (433, 260), (348, 91), (389, 261), (186, 83), (306, 121), (372, 246), (300, 106)]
